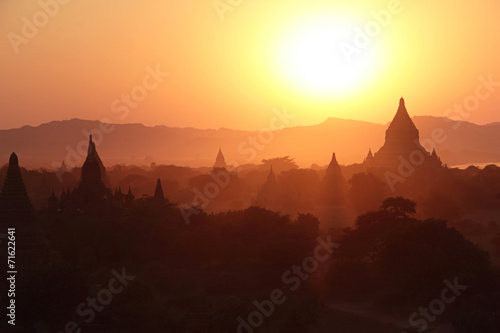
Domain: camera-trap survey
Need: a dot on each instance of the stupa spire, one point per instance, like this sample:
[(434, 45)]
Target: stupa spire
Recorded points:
[(92, 187), (129, 198), (401, 138), (15, 205), (220, 161), (334, 165), (333, 185), (159, 197), (271, 177), (369, 156), (17, 212)]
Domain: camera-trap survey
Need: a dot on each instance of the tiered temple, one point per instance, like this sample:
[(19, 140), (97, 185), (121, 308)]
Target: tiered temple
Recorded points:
[(402, 139), (91, 189)]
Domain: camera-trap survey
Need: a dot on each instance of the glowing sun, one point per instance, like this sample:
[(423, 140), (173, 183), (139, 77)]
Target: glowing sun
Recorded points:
[(310, 58)]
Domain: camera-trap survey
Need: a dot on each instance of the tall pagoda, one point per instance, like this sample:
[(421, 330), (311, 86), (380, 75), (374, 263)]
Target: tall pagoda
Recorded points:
[(16, 212)]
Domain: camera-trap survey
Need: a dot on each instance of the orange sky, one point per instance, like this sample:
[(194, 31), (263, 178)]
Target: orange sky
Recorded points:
[(233, 72)]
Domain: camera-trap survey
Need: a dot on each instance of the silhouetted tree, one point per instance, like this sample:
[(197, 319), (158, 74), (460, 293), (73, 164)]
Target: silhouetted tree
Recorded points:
[(406, 256), (400, 206), (279, 164)]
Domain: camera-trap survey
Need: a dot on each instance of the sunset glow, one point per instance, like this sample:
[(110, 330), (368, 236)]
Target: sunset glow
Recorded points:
[(250, 166), (251, 57), (312, 61)]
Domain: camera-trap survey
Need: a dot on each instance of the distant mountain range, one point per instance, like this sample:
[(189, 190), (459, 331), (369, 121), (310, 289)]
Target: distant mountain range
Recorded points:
[(49, 144)]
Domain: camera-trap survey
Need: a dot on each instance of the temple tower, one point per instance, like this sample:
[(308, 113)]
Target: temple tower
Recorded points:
[(159, 198), (220, 161), (16, 211), (402, 139), (333, 187), (91, 189)]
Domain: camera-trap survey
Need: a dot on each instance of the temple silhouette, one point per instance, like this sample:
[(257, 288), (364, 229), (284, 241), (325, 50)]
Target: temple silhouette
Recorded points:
[(91, 190), (16, 211), (269, 192), (220, 161), (333, 187), (402, 140), (159, 197), (244, 233)]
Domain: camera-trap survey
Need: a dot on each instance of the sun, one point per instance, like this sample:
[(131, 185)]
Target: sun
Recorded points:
[(310, 58)]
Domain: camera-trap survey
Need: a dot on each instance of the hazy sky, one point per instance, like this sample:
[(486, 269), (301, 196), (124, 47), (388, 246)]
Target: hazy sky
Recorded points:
[(230, 66)]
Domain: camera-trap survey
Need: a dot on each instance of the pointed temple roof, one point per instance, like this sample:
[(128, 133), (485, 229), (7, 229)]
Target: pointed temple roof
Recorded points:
[(401, 139), (269, 192), (369, 156), (94, 159), (91, 169), (118, 194), (14, 184), (92, 187), (333, 167), (333, 184), (129, 198), (220, 161), (63, 167), (159, 197), (435, 158), (402, 127), (271, 178), (129, 194), (333, 176), (15, 205), (17, 212)]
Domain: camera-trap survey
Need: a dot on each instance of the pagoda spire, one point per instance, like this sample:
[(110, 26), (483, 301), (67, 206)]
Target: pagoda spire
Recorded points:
[(333, 185), (369, 156), (92, 187), (15, 205), (220, 161), (334, 165), (63, 168), (271, 177), (435, 158), (402, 121), (401, 139), (17, 212), (91, 150), (129, 198), (159, 198)]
